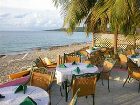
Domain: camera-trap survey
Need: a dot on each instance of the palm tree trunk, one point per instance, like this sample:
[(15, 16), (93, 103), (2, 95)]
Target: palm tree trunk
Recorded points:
[(115, 41), (93, 39)]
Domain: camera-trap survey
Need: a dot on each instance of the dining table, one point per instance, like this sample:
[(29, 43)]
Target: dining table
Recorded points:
[(135, 59), (38, 95), (64, 74), (92, 50)]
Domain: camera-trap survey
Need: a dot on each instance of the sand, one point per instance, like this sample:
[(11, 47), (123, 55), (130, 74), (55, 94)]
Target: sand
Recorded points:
[(16, 62)]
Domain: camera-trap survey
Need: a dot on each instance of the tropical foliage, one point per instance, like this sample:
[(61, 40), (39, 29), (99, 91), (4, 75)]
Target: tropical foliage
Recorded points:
[(122, 16)]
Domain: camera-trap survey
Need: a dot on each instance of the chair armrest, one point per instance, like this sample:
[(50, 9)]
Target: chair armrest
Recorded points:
[(53, 65)]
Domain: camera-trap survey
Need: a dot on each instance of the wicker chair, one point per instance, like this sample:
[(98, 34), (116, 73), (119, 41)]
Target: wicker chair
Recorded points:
[(123, 60), (108, 65), (43, 81), (133, 72), (68, 58), (96, 59), (86, 83)]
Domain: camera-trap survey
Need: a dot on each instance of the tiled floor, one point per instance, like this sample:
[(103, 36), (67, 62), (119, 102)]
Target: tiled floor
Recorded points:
[(118, 95)]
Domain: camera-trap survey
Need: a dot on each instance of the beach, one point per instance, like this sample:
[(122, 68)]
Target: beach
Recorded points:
[(16, 62)]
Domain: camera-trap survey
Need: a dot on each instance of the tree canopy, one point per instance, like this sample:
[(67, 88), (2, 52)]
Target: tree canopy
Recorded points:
[(122, 16)]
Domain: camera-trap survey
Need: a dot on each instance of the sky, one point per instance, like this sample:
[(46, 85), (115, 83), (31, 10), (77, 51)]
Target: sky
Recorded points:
[(29, 15)]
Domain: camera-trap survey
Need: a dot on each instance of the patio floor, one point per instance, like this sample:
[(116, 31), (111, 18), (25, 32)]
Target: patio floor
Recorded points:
[(118, 95)]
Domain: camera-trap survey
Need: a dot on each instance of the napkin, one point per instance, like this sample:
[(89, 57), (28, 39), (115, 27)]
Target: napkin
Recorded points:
[(62, 66), (89, 65), (93, 48), (74, 63), (28, 101), (21, 88), (133, 56), (1, 96), (78, 53), (77, 70)]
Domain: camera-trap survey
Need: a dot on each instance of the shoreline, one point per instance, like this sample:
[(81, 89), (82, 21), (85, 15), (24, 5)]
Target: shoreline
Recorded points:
[(14, 63), (40, 49)]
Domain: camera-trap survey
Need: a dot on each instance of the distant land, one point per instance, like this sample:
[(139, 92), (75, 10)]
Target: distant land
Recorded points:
[(78, 29)]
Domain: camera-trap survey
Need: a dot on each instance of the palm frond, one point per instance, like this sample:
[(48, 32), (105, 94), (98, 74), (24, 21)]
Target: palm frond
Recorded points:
[(77, 11)]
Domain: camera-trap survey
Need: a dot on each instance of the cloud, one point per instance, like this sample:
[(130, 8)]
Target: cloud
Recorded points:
[(28, 4), (26, 19), (4, 15), (29, 15)]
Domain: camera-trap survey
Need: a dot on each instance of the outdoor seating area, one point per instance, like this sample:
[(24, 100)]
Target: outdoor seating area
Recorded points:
[(70, 52), (77, 75)]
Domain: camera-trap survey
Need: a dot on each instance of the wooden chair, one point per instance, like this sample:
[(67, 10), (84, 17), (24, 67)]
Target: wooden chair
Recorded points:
[(69, 58), (60, 60), (108, 65), (82, 53), (123, 60), (86, 83), (133, 72)]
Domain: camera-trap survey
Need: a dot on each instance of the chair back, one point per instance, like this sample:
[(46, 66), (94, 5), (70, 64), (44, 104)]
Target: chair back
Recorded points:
[(108, 65), (38, 62), (42, 70), (60, 60), (82, 53), (133, 51), (86, 83), (69, 58), (133, 70), (131, 66), (123, 58), (41, 80)]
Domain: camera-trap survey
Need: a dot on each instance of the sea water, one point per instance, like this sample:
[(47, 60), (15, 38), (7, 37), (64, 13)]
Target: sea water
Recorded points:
[(20, 41)]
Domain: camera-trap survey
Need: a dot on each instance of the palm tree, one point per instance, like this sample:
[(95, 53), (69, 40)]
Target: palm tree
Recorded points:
[(122, 16)]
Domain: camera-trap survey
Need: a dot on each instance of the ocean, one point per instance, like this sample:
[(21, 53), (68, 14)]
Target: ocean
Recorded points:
[(20, 41)]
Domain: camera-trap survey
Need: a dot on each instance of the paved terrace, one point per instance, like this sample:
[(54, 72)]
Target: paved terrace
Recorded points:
[(118, 95)]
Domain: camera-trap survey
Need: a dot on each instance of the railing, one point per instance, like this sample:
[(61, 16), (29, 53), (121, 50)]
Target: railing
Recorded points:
[(107, 40)]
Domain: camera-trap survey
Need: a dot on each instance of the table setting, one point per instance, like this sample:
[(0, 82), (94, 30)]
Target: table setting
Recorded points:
[(23, 95)]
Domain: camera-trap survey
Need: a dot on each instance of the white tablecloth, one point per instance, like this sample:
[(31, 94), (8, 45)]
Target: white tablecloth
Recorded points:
[(135, 59), (66, 73), (90, 50), (40, 96)]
